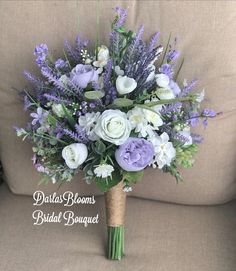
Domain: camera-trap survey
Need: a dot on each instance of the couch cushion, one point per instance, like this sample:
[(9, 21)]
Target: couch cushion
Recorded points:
[(159, 236), (208, 49)]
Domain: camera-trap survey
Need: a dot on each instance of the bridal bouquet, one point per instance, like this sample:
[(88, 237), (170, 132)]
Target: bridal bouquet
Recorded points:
[(112, 112)]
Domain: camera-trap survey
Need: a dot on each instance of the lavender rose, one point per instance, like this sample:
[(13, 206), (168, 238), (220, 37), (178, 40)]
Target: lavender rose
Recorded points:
[(81, 75), (135, 154)]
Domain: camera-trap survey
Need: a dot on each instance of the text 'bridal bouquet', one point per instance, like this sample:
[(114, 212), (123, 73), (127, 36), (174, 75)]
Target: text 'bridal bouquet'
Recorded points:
[(112, 112)]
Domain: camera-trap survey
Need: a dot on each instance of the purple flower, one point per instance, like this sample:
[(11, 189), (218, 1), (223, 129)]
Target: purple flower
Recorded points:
[(167, 70), (40, 168), (188, 88), (27, 102), (172, 55), (175, 87), (193, 119), (122, 14), (207, 113), (41, 49), (60, 64), (39, 116), (82, 75), (197, 139), (41, 52), (153, 41), (135, 154)]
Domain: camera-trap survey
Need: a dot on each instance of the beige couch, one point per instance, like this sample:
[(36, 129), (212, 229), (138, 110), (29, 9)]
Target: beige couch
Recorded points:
[(161, 234)]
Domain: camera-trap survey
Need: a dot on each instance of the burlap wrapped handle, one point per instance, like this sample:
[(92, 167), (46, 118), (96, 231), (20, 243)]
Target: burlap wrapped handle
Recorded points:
[(115, 201)]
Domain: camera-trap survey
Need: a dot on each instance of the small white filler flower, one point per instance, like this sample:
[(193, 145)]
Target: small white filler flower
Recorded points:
[(103, 170)]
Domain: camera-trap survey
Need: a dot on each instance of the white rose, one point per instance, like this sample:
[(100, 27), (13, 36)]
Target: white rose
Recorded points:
[(58, 110), (165, 93), (125, 85), (113, 126), (75, 154), (162, 80)]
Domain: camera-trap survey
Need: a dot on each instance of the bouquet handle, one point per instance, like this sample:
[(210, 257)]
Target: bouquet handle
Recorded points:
[(115, 201)]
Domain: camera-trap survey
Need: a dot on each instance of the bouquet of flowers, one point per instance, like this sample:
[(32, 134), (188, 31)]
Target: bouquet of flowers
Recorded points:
[(112, 112)]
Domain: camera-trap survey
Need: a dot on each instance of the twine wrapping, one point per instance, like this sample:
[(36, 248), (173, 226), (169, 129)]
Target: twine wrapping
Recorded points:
[(115, 200)]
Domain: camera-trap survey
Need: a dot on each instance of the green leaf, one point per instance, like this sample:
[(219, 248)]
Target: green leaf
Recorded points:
[(122, 102), (100, 147), (105, 184), (121, 30), (133, 177), (144, 106), (172, 169), (69, 116), (94, 95), (52, 120)]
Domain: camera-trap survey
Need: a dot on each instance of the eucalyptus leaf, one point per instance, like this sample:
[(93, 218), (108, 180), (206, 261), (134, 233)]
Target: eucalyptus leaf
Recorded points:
[(100, 147), (94, 95), (69, 116), (52, 120), (122, 102), (121, 30)]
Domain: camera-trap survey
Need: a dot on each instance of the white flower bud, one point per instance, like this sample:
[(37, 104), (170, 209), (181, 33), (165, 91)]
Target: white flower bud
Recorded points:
[(162, 80), (125, 85)]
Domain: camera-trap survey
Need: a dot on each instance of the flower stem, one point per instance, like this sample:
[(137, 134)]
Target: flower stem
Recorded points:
[(166, 101), (115, 242)]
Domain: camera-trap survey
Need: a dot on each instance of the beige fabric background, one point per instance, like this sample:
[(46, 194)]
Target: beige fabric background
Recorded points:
[(206, 34), (158, 237)]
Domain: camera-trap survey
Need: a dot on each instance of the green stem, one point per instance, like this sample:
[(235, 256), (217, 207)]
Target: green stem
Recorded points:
[(51, 137), (97, 27), (115, 250), (180, 67), (167, 45), (166, 101)]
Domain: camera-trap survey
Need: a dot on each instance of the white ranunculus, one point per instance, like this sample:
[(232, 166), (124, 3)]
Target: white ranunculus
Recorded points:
[(113, 126), (125, 85), (162, 80), (102, 58), (165, 93), (139, 122), (151, 116), (104, 170), (58, 110), (75, 154), (164, 150)]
